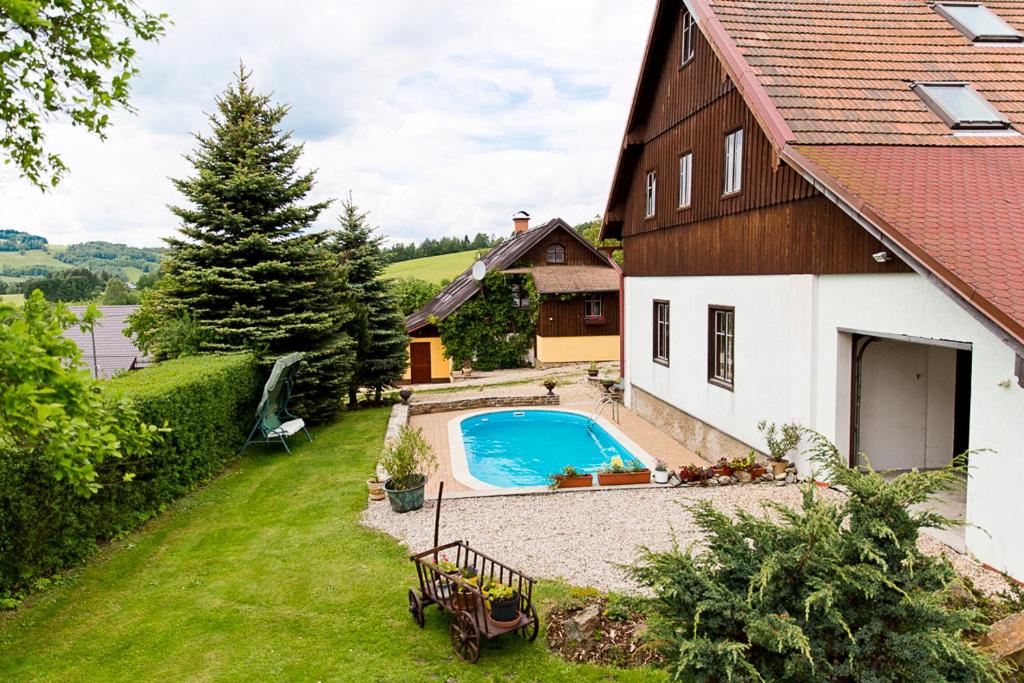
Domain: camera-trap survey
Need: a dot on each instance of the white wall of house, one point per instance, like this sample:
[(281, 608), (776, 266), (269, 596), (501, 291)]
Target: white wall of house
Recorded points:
[(793, 363)]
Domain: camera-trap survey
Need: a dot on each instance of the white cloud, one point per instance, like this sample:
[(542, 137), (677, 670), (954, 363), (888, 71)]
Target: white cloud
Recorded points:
[(442, 117)]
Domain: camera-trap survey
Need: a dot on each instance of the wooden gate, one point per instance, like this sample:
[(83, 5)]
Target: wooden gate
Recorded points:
[(419, 356)]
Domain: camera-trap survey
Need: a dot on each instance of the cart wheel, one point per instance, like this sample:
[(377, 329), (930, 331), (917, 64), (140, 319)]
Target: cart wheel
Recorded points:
[(529, 632), (416, 607), (465, 637)]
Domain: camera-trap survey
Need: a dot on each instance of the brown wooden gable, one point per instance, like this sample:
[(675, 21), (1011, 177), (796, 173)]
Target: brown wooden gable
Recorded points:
[(777, 223), (577, 251)]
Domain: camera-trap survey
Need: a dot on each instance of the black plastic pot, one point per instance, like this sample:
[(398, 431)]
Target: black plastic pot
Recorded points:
[(404, 394), (505, 610), (405, 500)]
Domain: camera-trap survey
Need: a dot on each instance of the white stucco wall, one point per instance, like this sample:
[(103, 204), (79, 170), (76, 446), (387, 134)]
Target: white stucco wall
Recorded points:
[(792, 363)]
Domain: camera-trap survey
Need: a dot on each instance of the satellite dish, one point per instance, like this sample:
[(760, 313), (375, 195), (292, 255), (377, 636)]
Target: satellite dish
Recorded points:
[(479, 271)]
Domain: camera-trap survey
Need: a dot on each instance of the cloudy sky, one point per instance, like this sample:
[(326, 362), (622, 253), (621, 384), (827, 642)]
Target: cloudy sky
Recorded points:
[(442, 117)]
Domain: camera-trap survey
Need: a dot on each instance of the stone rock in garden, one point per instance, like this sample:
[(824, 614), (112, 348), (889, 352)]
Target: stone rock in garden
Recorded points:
[(790, 478), (767, 477), (724, 480), (781, 482), (780, 477), (1006, 639), (713, 481), (580, 626)]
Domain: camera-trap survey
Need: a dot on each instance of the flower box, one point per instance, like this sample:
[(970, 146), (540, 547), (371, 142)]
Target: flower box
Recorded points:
[(621, 478), (563, 482)]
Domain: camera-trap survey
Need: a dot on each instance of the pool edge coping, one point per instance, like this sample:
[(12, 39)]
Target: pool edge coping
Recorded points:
[(460, 466)]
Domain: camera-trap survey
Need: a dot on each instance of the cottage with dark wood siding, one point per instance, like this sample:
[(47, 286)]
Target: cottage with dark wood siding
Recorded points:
[(822, 219)]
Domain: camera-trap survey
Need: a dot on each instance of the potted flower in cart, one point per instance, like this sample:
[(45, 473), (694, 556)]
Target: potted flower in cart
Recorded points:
[(780, 441), (465, 598), (661, 473), (617, 472), (407, 461), (570, 478), (503, 604)]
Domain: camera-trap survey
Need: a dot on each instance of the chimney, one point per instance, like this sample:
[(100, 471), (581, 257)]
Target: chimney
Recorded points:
[(521, 221)]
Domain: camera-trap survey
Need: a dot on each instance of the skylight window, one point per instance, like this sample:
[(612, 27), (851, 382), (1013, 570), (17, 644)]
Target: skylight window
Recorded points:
[(960, 106), (978, 22)]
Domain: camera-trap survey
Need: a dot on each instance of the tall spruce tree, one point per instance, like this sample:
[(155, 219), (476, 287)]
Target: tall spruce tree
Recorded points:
[(378, 326), (244, 270)]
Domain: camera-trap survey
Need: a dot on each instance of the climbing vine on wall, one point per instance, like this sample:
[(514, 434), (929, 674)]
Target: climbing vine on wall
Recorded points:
[(490, 331)]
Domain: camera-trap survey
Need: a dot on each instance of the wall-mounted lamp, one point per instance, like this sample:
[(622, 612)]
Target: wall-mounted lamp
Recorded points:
[(882, 256)]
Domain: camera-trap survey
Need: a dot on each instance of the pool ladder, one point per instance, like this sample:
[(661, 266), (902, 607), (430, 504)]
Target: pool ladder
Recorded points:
[(605, 401)]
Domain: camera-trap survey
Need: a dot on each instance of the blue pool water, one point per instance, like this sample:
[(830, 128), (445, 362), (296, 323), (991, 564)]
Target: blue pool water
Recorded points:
[(521, 448)]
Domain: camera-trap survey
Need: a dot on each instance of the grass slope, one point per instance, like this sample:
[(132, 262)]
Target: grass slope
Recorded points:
[(264, 574), (36, 257), (433, 268), (16, 299)]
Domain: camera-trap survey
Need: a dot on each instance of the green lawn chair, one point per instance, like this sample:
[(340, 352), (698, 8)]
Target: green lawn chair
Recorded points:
[(273, 421)]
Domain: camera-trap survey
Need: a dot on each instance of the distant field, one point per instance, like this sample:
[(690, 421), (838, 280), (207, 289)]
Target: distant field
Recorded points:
[(16, 259), (15, 299), (433, 268)]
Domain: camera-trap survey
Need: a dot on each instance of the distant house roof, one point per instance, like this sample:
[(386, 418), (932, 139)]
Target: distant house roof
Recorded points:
[(499, 258), (114, 351), (831, 84), (569, 279)]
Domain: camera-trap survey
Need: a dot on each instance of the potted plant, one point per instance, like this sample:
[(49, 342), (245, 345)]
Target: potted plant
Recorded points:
[(405, 394), (722, 468), (407, 460), (465, 598), (550, 386), (692, 473), (503, 602), (375, 486), (467, 369), (592, 370), (780, 441), (617, 472), (661, 473), (742, 468), (570, 478), (607, 383)]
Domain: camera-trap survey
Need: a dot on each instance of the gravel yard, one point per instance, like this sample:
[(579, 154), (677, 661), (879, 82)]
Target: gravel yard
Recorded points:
[(581, 536)]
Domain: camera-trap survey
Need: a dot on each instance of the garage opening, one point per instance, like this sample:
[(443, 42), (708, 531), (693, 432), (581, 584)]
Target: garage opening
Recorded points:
[(911, 409)]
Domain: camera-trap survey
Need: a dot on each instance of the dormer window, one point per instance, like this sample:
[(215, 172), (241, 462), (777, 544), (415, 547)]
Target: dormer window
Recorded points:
[(556, 253), (978, 23), (960, 106)]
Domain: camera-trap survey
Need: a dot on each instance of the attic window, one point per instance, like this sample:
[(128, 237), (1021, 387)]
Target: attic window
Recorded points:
[(689, 33), (556, 253), (960, 106), (978, 23)]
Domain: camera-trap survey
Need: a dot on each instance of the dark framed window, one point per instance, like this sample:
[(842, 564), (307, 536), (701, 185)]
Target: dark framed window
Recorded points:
[(733, 162), (661, 332), (592, 310), (721, 345), (556, 253), (519, 296), (689, 38)]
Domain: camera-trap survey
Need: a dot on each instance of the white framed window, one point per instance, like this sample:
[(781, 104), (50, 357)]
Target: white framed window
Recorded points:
[(960, 105), (651, 194), (685, 180), (978, 23), (661, 329), (689, 37), (733, 162), (721, 340), (592, 311)]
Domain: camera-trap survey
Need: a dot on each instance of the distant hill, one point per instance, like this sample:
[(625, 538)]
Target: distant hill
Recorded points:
[(23, 255), (434, 268)]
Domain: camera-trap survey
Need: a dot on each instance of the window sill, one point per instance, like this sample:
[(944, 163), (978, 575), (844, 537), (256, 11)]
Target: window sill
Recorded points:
[(594, 321), (722, 384), (688, 62), (684, 208), (647, 218), (661, 361), (734, 193)]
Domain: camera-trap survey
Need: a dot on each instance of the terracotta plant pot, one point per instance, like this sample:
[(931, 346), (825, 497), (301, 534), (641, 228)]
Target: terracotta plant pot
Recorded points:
[(376, 489), (779, 467), (621, 478), (724, 471), (579, 482), (758, 471)]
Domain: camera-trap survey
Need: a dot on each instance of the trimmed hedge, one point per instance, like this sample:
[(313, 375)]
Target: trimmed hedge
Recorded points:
[(207, 404)]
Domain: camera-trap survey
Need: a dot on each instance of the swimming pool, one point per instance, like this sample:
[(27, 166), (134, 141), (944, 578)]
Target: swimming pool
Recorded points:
[(521, 448)]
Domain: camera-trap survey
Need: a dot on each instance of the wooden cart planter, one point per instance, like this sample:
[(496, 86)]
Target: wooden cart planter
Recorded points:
[(465, 600)]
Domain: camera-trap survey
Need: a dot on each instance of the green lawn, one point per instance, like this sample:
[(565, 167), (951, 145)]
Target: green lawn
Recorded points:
[(15, 299), (30, 258), (433, 268), (264, 574)]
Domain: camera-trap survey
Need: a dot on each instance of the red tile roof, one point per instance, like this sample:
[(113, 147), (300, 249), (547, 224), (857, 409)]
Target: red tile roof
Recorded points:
[(839, 71), (958, 211)]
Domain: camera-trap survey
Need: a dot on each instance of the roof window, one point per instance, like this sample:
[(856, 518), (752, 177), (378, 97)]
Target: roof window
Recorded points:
[(960, 106), (978, 23)]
